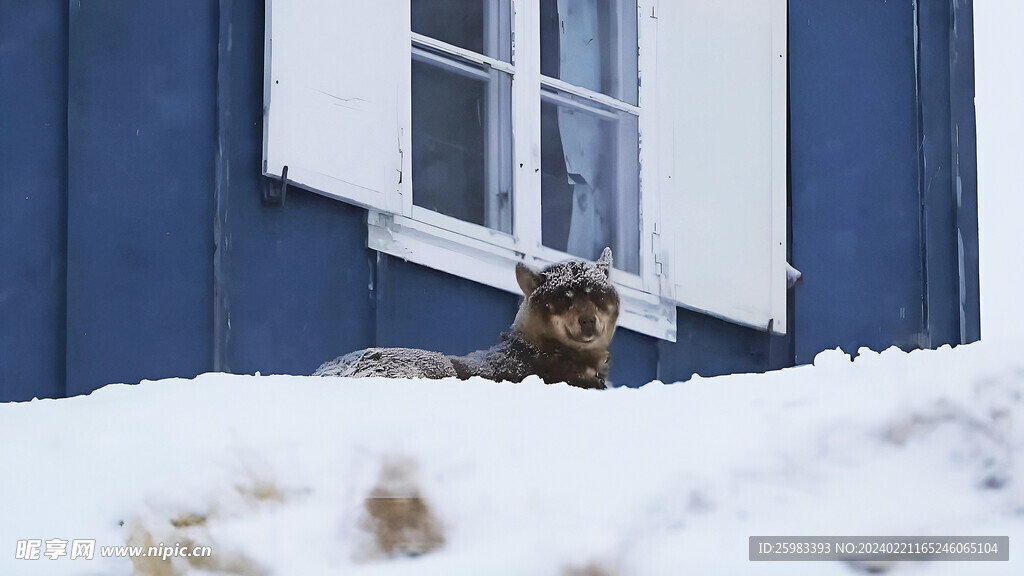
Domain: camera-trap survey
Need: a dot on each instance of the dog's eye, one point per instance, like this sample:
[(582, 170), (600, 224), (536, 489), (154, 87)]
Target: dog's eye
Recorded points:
[(569, 294)]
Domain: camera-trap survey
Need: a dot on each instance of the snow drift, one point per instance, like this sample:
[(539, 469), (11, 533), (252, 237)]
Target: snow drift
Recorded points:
[(307, 475)]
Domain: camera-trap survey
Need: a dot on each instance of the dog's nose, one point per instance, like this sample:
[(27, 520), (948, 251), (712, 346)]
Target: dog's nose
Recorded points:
[(587, 323)]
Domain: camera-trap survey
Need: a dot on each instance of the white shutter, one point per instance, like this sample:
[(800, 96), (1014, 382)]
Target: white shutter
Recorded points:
[(721, 114), (337, 97)]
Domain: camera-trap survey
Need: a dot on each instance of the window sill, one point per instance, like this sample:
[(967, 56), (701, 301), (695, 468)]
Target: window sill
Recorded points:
[(493, 265)]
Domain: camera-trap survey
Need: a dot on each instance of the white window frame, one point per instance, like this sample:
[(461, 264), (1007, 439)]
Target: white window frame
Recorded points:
[(649, 299)]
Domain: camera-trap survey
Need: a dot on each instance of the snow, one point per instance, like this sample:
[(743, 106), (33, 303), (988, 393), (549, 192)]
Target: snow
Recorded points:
[(576, 275), (274, 472)]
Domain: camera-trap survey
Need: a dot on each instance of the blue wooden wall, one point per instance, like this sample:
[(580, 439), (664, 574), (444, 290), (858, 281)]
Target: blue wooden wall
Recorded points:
[(293, 284), (141, 76), (33, 198), (855, 175), (135, 243), (873, 163)]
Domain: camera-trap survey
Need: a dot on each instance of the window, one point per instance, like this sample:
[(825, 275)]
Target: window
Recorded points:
[(462, 110), (590, 161), (482, 132)]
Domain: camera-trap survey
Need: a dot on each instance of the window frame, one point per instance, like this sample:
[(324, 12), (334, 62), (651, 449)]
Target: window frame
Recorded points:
[(487, 256), (474, 252), (422, 45)]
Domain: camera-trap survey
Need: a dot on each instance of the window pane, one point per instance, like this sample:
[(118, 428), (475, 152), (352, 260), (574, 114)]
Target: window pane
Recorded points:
[(591, 43), (462, 140), (590, 180), (483, 26)]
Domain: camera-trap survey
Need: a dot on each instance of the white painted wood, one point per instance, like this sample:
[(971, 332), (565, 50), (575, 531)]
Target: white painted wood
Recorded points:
[(468, 55), (463, 228), (526, 176), (780, 109), (721, 105), (337, 99), (655, 279), (586, 94), (494, 266)]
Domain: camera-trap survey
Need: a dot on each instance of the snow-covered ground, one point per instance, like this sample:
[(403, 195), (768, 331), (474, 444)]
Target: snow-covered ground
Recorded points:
[(285, 475), (274, 472)]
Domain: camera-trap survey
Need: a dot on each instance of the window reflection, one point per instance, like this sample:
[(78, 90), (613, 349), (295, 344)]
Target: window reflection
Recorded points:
[(592, 44), (590, 180), (482, 26), (461, 138)]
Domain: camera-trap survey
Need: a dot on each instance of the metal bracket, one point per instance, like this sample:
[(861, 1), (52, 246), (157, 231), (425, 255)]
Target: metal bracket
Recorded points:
[(275, 190), (656, 249)]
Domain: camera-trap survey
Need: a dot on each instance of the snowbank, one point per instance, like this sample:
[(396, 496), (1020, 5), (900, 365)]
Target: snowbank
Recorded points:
[(274, 472)]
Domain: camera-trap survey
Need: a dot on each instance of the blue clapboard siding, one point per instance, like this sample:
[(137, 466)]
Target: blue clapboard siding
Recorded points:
[(33, 197), (938, 220), (855, 176), (883, 175), (141, 142), (418, 307), (939, 175), (292, 282), (710, 347), (964, 162), (634, 359)]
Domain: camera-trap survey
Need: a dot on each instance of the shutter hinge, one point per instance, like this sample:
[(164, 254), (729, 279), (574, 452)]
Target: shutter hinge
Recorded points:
[(656, 249)]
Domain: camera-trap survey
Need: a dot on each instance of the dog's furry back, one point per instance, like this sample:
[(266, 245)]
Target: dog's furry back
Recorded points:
[(562, 333), (512, 360), (506, 361), (390, 363)]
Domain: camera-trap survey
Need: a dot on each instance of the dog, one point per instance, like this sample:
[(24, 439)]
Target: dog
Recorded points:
[(562, 333)]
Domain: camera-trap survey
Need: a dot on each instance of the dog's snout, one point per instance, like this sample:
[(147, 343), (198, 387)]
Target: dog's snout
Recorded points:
[(587, 323)]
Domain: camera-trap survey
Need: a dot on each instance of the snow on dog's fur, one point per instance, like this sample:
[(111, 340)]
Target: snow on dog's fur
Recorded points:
[(562, 333)]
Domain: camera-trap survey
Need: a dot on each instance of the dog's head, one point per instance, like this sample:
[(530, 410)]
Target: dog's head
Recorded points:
[(572, 304)]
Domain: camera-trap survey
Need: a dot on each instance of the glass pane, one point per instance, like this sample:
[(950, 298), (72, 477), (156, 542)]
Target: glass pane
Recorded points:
[(591, 43), (590, 181), (483, 26), (462, 140)]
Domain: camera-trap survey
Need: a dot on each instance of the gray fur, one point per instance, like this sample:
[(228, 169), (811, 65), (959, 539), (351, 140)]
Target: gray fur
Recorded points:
[(521, 352), (389, 363)]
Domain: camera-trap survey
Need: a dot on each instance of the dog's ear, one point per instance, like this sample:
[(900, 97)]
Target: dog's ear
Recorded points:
[(604, 263), (528, 278)]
